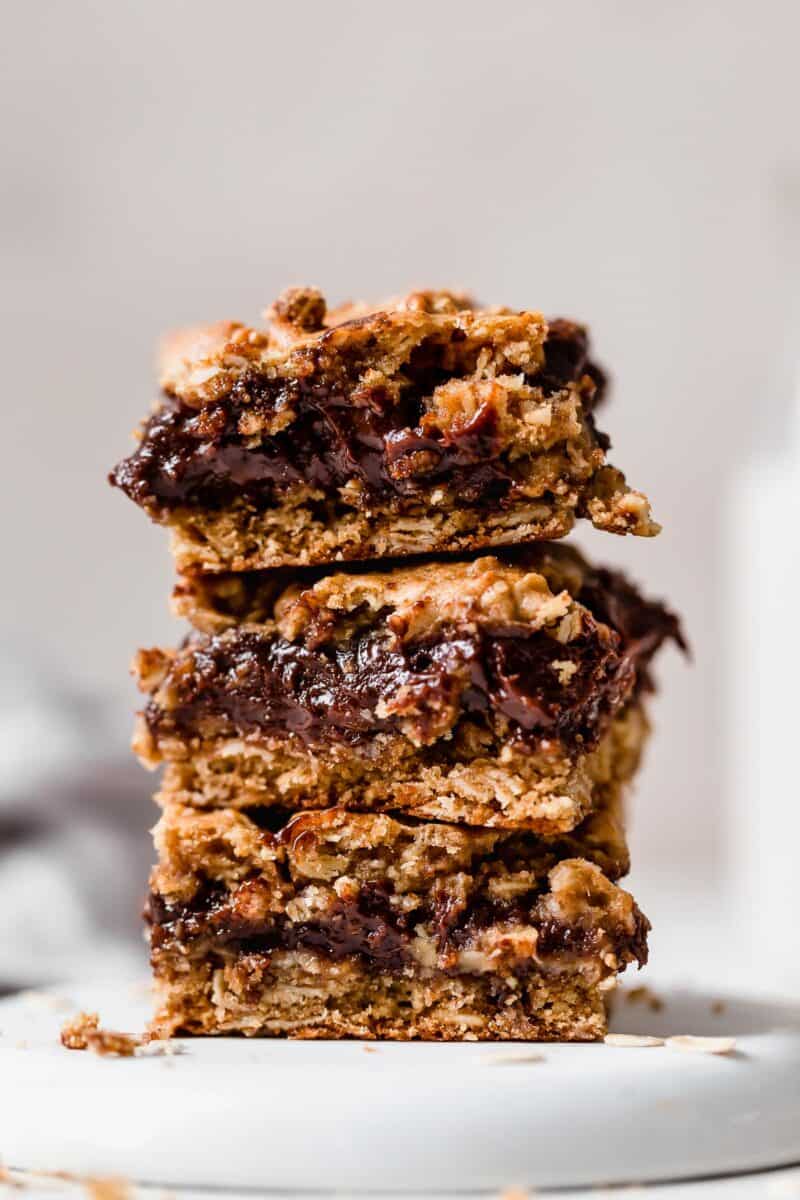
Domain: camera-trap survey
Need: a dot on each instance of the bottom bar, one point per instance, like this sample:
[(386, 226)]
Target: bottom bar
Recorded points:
[(303, 995), (341, 924)]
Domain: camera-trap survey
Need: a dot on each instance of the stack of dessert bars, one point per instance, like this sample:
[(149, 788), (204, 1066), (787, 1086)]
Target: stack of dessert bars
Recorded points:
[(397, 739)]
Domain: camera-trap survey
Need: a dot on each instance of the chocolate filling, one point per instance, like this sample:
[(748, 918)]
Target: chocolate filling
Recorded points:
[(643, 625), (191, 457), (247, 682), (368, 927), (371, 929)]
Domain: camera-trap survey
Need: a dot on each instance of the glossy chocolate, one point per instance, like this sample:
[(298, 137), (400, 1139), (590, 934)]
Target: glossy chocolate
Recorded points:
[(250, 681), (395, 449), (370, 928)]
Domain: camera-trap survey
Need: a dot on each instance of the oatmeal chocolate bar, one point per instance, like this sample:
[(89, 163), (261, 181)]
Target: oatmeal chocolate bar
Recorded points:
[(548, 791), (498, 692), (424, 425), (338, 924)]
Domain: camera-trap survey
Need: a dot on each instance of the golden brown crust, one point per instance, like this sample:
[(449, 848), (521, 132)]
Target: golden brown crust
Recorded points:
[(534, 583), (301, 995), (307, 529), (421, 598), (228, 846), (201, 365), (546, 791)]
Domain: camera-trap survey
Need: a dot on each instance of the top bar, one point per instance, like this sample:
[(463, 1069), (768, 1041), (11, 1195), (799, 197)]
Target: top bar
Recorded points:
[(422, 425)]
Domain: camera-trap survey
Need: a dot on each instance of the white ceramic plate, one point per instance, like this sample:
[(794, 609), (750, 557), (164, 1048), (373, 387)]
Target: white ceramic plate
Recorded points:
[(333, 1116)]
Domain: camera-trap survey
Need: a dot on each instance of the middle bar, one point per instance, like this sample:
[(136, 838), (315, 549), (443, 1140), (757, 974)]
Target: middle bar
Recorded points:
[(504, 692)]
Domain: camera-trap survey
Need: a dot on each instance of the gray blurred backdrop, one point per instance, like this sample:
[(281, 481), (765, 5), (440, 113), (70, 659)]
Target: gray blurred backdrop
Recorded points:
[(630, 164)]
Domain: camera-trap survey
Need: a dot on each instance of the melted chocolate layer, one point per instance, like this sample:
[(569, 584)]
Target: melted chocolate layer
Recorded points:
[(200, 458), (250, 682), (643, 625), (369, 928)]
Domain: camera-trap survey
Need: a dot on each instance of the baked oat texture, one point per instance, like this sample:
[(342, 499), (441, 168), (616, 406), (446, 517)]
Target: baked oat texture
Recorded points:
[(339, 848), (438, 761), (448, 391), (546, 791), (371, 926), (300, 995)]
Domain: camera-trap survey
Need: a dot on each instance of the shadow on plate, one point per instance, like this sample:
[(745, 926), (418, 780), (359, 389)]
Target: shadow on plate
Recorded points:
[(672, 1011)]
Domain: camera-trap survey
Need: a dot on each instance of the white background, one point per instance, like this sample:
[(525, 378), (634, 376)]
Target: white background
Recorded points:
[(631, 164)]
